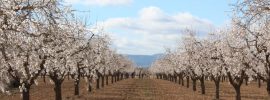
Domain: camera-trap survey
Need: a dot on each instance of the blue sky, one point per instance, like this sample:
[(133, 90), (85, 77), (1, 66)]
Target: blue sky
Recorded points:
[(148, 26)]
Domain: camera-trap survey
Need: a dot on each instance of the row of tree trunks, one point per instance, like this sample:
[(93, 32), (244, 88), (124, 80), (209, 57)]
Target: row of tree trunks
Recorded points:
[(104, 79), (236, 82), (180, 78), (58, 84)]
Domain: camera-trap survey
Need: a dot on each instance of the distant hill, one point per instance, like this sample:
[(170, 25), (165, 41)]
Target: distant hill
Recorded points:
[(144, 60)]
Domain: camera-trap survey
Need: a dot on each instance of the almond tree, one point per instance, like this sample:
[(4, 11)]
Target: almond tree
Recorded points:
[(237, 59), (213, 54), (195, 61), (181, 68), (79, 60), (251, 18), (24, 26), (62, 50), (95, 58), (92, 60)]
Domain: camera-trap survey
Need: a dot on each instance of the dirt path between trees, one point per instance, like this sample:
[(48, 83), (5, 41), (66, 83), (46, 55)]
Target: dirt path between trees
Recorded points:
[(154, 89), (143, 89)]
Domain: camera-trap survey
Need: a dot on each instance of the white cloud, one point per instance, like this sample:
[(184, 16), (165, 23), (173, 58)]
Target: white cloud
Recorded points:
[(152, 30), (99, 2)]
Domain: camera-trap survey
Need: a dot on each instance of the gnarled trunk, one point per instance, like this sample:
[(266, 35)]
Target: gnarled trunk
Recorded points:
[(246, 80), (175, 79), (58, 90), (259, 83), (44, 78), (179, 79), (238, 94), (183, 82), (187, 81), (112, 79), (122, 76), (118, 76), (26, 92), (217, 89), (97, 85), (202, 85), (107, 80), (217, 84), (76, 87), (194, 84), (115, 78), (268, 87), (102, 81), (236, 83)]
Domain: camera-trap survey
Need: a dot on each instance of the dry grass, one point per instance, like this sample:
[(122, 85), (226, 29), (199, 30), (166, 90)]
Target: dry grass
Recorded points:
[(142, 89)]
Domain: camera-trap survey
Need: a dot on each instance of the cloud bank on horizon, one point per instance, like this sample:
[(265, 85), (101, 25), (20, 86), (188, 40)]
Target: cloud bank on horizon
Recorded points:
[(149, 29)]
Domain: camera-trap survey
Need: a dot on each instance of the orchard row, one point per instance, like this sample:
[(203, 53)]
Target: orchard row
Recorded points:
[(238, 52), (45, 38)]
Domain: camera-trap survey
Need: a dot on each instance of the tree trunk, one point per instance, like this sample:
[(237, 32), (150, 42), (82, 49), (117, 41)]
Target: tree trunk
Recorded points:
[(222, 79), (175, 79), (58, 91), (115, 78), (97, 85), (44, 78), (112, 79), (268, 87), (68, 75), (217, 84), (236, 83), (238, 94), (164, 77), (122, 76), (89, 88), (107, 80), (187, 81), (182, 79), (246, 79), (102, 81), (194, 84), (76, 85), (202, 85), (179, 80), (118, 77), (259, 83), (26, 93)]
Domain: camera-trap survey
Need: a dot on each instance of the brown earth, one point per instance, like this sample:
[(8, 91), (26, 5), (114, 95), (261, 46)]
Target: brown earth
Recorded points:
[(142, 89)]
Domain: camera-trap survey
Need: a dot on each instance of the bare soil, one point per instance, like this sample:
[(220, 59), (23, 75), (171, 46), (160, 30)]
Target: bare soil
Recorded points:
[(141, 89)]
